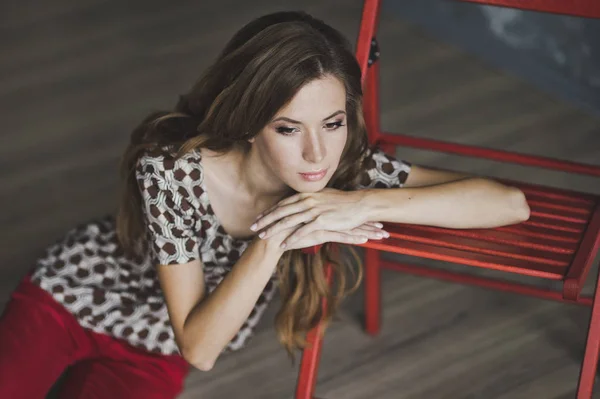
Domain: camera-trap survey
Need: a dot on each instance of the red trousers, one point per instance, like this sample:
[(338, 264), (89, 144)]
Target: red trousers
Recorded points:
[(39, 339)]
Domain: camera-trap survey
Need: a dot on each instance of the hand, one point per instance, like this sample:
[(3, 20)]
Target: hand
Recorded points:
[(359, 235), (328, 210)]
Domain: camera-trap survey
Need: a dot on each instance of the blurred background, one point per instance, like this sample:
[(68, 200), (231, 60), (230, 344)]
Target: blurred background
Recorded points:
[(77, 76)]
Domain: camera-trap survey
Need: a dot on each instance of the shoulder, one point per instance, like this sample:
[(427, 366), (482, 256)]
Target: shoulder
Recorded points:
[(162, 164), (382, 170), (178, 179), (166, 169)]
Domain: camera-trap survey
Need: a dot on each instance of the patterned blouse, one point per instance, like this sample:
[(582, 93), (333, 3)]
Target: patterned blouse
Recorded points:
[(110, 293)]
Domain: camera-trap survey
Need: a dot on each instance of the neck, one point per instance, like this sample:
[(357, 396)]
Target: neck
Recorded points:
[(257, 179)]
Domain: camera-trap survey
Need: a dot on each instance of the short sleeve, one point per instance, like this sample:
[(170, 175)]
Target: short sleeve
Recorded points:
[(169, 218), (384, 171)]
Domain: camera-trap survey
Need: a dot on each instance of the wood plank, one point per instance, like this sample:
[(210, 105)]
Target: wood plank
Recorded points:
[(76, 77)]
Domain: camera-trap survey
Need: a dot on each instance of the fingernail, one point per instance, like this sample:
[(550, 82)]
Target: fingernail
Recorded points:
[(386, 234), (253, 227), (262, 235), (379, 225)]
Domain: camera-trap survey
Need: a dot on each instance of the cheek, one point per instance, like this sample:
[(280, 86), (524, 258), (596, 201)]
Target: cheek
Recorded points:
[(282, 154), (337, 144)]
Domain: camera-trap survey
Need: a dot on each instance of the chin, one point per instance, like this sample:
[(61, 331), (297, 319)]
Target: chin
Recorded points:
[(303, 186)]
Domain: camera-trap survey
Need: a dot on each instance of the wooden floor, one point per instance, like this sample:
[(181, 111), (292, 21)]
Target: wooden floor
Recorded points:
[(76, 77)]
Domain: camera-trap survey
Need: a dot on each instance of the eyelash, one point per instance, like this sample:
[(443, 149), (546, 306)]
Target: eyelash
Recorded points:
[(288, 131)]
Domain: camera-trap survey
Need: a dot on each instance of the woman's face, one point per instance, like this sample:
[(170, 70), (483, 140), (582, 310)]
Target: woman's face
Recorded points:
[(303, 143)]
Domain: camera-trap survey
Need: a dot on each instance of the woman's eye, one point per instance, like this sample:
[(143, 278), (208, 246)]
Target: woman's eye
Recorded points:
[(334, 125), (285, 130)]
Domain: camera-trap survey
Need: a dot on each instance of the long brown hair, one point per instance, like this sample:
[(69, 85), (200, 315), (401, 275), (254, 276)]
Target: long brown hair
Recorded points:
[(260, 70)]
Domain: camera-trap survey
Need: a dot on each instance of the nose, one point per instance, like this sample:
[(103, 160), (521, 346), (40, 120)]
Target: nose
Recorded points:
[(314, 148)]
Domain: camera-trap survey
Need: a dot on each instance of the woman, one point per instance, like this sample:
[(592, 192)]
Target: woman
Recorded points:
[(267, 154)]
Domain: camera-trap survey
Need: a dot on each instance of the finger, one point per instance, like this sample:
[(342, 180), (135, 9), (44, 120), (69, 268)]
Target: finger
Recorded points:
[(375, 224), (371, 233), (277, 214), (287, 222), (301, 232), (292, 199), (368, 231), (323, 236), (286, 201), (367, 227)]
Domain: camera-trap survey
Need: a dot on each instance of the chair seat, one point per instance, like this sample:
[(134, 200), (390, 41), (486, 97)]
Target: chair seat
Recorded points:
[(554, 243)]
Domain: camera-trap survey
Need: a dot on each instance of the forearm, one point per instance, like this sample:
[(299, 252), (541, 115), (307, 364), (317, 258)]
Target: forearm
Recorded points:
[(468, 203), (215, 320)]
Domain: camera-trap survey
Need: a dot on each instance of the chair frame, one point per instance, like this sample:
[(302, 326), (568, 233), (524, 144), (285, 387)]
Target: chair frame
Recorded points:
[(367, 53)]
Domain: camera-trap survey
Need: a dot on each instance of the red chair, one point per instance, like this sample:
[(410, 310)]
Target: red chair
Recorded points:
[(559, 242)]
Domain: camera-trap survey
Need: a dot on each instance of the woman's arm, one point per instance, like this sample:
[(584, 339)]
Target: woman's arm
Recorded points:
[(420, 176), (461, 204), (205, 324), (395, 191), (423, 196)]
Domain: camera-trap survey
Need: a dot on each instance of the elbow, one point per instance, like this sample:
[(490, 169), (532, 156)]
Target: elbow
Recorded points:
[(199, 362), (518, 205), (204, 366)]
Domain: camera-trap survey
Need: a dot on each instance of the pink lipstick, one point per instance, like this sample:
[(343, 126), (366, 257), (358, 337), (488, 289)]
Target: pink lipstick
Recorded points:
[(314, 176)]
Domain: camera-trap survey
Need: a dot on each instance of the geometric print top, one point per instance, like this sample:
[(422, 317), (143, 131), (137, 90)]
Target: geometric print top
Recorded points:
[(108, 292)]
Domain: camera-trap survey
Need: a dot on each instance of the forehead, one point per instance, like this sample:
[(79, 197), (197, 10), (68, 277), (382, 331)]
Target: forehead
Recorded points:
[(316, 100)]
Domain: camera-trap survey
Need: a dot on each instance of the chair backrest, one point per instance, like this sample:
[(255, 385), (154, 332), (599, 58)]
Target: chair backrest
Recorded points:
[(580, 8), (367, 55), (367, 32), (371, 8)]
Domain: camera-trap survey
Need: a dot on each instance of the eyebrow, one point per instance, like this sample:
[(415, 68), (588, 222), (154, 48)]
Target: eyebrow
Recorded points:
[(283, 118)]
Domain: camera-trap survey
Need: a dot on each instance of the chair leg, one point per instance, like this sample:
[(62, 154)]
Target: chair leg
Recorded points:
[(372, 292), (309, 366), (592, 349), (311, 355)]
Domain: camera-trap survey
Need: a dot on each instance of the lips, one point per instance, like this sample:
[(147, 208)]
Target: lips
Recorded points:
[(314, 176)]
